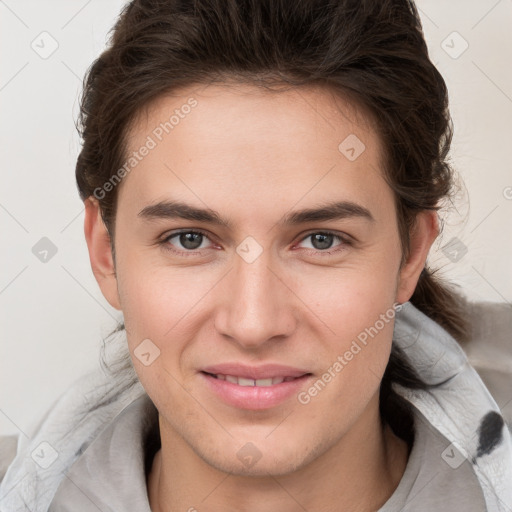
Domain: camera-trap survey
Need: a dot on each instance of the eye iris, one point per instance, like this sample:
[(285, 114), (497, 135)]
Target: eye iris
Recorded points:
[(190, 240), (322, 240)]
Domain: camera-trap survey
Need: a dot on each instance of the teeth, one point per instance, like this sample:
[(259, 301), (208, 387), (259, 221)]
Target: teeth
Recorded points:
[(245, 382), (242, 381), (264, 382)]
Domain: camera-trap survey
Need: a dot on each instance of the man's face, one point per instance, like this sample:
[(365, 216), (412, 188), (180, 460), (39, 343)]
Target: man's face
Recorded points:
[(259, 289)]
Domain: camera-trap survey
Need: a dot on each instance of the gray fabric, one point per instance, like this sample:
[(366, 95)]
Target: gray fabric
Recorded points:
[(429, 483), (489, 350), (7, 452), (110, 475), (68, 427), (457, 403)]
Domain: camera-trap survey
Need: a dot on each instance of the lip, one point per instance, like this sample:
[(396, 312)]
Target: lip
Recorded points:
[(254, 397)]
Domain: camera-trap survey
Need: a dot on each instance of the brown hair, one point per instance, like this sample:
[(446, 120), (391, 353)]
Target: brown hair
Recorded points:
[(372, 52)]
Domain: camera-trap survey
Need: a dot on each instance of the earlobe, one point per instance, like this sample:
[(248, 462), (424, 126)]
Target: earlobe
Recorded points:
[(425, 231), (100, 252)]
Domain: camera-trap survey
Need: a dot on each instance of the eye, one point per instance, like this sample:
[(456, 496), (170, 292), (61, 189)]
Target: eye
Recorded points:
[(191, 241), (322, 240)]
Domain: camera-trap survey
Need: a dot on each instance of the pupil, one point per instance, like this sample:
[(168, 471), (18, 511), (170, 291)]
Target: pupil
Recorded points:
[(322, 241), (187, 240)]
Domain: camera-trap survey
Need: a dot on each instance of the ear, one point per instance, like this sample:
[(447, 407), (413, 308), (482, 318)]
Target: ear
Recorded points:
[(100, 252), (424, 232)]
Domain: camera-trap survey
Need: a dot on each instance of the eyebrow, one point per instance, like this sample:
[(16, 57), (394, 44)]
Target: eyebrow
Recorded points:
[(331, 211)]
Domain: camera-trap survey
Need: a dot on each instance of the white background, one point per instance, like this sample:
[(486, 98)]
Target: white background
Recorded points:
[(53, 315)]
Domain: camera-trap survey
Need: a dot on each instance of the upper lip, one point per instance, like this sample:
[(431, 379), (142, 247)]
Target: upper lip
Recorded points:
[(265, 371)]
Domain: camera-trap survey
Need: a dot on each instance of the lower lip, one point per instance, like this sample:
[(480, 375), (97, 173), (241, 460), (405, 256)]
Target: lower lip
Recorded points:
[(254, 397)]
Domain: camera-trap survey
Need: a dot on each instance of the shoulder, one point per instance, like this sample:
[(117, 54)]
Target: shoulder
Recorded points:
[(57, 438)]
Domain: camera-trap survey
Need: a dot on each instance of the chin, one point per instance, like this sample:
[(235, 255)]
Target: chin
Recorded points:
[(263, 458), (262, 468)]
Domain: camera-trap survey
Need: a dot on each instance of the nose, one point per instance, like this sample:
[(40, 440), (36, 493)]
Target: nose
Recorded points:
[(257, 305)]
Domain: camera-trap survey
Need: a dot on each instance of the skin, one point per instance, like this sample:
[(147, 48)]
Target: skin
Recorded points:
[(254, 157)]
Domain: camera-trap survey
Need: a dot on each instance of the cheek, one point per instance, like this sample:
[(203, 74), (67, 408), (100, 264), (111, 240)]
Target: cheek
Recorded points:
[(158, 306), (360, 317), (348, 300), (160, 302), (355, 306)]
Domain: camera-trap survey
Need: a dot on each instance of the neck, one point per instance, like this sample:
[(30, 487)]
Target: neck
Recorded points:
[(361, 470)]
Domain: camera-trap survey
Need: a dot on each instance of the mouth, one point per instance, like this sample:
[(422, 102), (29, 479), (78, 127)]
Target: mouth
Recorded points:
[(266, 392), (244, 381)]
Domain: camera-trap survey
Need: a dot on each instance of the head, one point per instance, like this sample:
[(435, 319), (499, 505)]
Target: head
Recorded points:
[(264, 117)]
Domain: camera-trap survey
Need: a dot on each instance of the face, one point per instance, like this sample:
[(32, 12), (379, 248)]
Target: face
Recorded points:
[(258, 286)]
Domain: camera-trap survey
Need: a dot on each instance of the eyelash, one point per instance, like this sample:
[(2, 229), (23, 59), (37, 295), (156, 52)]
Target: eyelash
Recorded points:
[(345, 241)]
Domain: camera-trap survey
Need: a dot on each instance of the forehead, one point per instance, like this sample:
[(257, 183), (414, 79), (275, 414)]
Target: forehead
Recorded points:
[(308, 111), (245, 143)]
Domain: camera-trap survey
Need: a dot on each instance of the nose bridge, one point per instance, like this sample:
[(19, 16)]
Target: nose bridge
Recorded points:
[(257, 305)]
